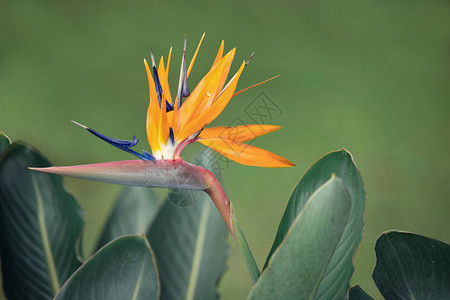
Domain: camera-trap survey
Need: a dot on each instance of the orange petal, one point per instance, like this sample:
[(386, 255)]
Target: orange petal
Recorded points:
[(223, 78), (164, 81), (247, 154), (152, 113), (174, 118), (216, 108), (239, 134), (170, 117), (194, 57), (219, 54), (163, 133), (204, 93)]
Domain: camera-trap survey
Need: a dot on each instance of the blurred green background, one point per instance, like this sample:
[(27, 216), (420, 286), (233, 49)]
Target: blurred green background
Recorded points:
[(370, 76)]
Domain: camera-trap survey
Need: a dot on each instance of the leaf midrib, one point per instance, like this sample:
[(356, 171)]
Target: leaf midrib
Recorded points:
[(138, 283), (44, 236), (198, 252)]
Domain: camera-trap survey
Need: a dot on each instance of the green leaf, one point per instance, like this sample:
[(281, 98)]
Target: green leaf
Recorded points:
[(123, 269), (4, 142), (190, 244), (340, 269), (298, 266), (411, 266), (133, 213), (357, 293), (40, 226)]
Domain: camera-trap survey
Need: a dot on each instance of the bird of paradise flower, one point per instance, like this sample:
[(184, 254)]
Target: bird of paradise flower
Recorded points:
[(172, 124)]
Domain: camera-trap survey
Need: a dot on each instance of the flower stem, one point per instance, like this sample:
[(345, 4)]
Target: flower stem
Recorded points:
[(246, 252), (220, 199)]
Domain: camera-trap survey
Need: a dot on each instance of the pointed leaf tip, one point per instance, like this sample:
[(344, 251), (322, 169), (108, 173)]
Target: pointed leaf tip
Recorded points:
[(344, 167), (133, 213), (298, 267), (5, 142)]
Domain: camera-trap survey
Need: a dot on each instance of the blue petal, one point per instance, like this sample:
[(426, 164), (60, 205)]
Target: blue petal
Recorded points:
[(156, 77), (172, 139), (159, 90), (115, 142), (157, 85), (124, 145), (147, 155), (169, 107)]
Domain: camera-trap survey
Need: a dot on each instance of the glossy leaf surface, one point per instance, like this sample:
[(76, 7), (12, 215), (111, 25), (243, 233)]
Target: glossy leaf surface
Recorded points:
[(411, 266), (133, 213), (123, 269), (298, 267), (336, 281), (40, 226)]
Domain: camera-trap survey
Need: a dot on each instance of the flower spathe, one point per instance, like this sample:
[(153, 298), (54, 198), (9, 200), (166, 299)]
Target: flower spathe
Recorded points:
[(173, 122)]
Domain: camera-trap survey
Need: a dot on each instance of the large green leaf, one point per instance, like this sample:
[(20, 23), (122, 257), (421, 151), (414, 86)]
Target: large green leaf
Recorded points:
[(299, 265), (336, 282), (357, 293), (411, 266), (133, 213), (4, 142), (123, 269), (190, 245), (40, 226)]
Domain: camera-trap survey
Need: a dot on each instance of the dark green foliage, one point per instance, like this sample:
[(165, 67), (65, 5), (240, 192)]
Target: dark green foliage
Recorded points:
[(411, 266), (4, 142), (40, 226), (123, 269), (357, 293), (133, 213)]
